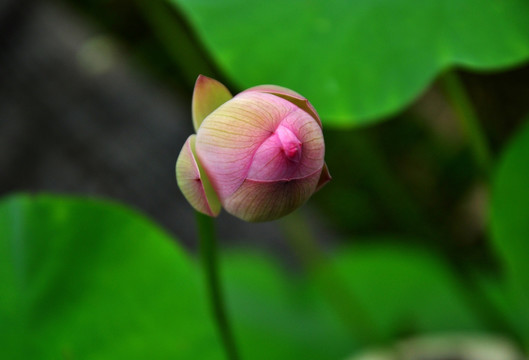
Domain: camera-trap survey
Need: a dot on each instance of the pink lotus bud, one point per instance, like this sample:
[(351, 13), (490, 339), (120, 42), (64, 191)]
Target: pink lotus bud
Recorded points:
[(259, 154)]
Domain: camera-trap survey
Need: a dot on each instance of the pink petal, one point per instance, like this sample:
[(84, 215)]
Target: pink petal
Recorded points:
[(192, 182), (229, 137), (311, 136), (270, 163), (289, 144), (208, 95), (264, 201), (289, 95)]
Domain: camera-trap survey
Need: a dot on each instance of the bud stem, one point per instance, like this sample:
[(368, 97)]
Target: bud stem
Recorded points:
[(208, 252)]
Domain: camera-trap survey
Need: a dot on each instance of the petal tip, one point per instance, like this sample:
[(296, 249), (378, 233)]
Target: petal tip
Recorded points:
[(208, 95)]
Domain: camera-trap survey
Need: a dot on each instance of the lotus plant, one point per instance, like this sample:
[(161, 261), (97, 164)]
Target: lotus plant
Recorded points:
[(260, 154)]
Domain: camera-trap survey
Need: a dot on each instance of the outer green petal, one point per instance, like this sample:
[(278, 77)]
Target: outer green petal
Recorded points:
[(208, 95), (193, 183), (264, 201)]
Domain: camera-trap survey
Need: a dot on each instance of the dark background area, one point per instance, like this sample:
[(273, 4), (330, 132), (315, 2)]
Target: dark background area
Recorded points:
[(77, 116)]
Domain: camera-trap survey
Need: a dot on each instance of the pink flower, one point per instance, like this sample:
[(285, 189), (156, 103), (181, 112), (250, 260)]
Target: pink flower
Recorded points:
[(259, 154)]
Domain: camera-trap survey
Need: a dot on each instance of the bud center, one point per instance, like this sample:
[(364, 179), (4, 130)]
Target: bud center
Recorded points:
[(290, 144)]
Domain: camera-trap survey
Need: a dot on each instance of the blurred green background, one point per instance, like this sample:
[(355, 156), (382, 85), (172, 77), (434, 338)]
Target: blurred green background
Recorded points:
[(424, 225)]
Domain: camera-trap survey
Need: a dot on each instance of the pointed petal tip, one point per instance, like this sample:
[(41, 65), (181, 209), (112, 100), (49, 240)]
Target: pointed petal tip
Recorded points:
[(208, 95), (203, 80)]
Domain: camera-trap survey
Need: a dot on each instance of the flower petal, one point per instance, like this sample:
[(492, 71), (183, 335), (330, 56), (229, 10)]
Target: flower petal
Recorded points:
[(193, 183), (229, 138), (310, 134), (289, 95), (208, 95), (263, 201), (269, 163)]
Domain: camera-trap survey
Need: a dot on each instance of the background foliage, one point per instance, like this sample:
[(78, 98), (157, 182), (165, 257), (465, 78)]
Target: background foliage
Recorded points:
[(358, 61)]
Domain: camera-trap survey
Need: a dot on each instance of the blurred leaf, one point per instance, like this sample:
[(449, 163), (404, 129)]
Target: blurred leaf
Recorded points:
[(508, 304), (277, 315), (87, 279), (358, 61), (405, 290), (510, 221)]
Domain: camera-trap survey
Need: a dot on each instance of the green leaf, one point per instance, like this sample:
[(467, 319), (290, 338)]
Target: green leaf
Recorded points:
[(510, 221), (406, 290), (87, 279), (403, 290), (279, 316), (358, 61)]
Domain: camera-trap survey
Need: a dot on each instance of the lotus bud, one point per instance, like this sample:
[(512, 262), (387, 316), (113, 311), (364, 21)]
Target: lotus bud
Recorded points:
[(260, 154)]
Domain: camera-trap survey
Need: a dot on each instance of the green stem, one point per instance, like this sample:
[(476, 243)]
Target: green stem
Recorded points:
[(339, 295), (208, 251), (172, 33), (466, 113)]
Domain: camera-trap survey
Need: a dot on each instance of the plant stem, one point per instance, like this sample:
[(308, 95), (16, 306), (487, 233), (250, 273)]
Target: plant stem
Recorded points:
[(208, 251), (171, 31), (339, 295), (458, 96)]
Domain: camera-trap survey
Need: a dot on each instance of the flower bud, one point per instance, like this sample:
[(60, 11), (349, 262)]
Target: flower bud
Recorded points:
[(259, 154)]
